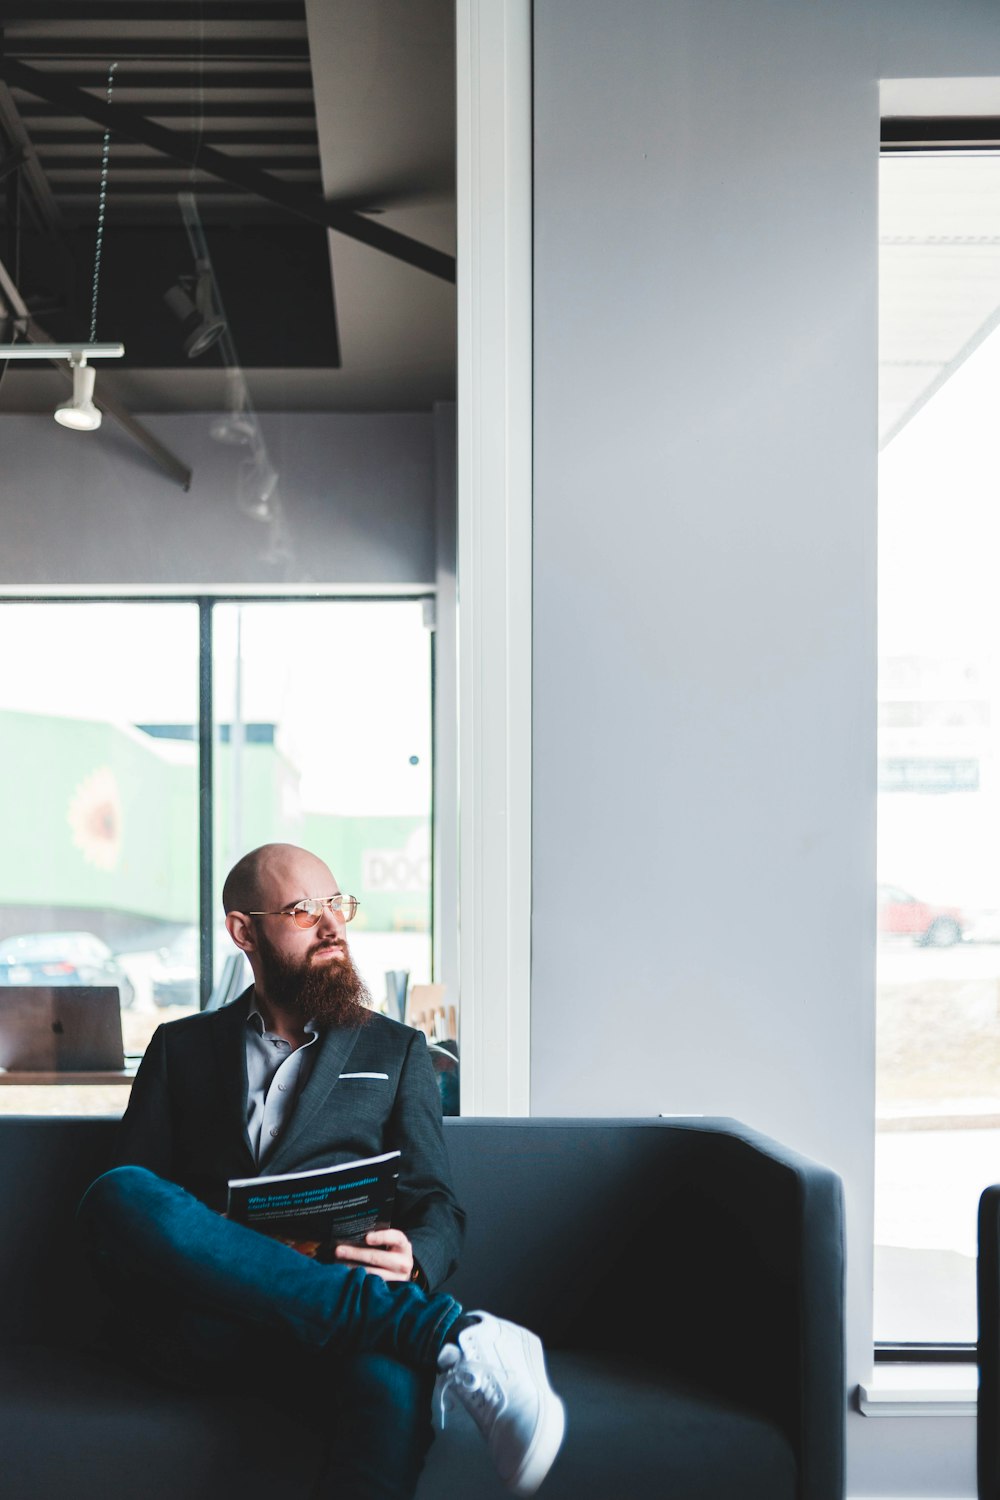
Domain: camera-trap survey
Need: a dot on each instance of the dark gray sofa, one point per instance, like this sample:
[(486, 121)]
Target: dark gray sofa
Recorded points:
[(988, 1348), (687, 1276)]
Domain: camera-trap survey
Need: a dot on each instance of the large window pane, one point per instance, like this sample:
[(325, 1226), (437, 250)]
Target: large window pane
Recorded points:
[(99, 805), (323, 738), (938, 1141)]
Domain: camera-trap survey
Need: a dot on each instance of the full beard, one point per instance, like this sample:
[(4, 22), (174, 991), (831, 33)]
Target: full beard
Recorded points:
[(331, 994)]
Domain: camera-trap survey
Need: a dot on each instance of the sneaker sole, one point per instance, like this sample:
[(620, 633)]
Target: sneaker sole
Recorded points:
[(549, 1434)]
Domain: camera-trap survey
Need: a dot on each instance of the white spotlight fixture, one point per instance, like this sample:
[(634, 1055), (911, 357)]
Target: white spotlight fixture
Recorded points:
[(258, 480), (236, 429), (192, 302), (80, 414)]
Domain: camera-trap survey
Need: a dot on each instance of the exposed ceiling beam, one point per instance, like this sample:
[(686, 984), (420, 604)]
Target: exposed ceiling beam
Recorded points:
[(10, 298), (193, 153), (163, 47), (244, 113), (232, 11), (243, 82), (14, 159), (76, 141), (39, 195), (168, 461), (160, 192), (89, 161)]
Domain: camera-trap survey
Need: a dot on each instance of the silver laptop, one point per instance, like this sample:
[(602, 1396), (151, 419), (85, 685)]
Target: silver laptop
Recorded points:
[(60, 1029)]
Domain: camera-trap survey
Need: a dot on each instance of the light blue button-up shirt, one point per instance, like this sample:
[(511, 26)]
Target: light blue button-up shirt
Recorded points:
[(276, 1075)]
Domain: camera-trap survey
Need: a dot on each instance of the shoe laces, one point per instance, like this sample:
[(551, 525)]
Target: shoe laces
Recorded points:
[(476, 1388)]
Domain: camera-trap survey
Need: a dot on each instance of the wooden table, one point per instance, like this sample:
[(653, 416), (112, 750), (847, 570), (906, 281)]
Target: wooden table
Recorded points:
[(110, 1075)]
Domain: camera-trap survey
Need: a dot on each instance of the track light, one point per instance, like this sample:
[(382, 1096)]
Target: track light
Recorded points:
[(236, 429), (72, 352), (80, 414), (258, 481), (192, 302)]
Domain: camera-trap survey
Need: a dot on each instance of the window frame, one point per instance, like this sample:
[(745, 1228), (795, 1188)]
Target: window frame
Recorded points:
[(206, 603), (493, 589), (930, 135)]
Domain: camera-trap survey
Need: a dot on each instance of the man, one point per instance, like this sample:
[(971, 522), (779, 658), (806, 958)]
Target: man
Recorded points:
[(299, 1073)]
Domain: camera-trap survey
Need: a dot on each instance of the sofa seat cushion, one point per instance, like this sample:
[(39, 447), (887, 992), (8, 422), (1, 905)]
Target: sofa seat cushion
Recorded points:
[(630, 1430), (78, 1425)]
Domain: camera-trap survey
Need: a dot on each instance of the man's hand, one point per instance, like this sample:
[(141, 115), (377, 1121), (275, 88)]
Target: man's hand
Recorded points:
[(385, 1252)]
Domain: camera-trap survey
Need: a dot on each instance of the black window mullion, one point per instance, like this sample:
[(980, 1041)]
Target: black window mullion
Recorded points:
[(925, 1354), (206, 900), (433, 809)]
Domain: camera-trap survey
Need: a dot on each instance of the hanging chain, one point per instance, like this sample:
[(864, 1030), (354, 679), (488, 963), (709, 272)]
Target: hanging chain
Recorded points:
[(101, 207)]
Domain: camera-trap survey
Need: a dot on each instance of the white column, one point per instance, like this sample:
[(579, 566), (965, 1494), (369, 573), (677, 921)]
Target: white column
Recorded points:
[(494, 550)]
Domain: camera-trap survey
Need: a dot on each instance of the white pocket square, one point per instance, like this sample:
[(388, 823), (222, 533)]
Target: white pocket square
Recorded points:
[(366, 1075)]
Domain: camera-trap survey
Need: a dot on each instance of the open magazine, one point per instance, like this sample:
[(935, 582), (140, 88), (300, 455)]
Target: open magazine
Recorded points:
[(322, 1208)]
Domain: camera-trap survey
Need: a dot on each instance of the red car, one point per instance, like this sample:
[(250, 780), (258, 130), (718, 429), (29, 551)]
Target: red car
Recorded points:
[(903, 915)]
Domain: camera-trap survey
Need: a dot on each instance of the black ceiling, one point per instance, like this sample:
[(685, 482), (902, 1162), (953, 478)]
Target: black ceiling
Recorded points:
[(216, 98), (226, 75)]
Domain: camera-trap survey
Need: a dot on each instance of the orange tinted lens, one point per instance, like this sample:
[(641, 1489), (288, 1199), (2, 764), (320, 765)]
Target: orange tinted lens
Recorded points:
[(350, 907), (307, 915)]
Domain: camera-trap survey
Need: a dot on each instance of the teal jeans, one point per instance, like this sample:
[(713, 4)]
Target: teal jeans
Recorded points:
[(212, 1304)]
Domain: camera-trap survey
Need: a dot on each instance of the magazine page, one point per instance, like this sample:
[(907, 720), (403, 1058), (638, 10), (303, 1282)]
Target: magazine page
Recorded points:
[(323, 1207)]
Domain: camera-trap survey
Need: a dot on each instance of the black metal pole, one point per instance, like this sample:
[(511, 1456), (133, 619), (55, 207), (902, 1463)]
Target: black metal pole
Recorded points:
[(13, 191)]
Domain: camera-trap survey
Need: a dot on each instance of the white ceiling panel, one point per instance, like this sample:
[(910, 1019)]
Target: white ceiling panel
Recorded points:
[(939, 269)]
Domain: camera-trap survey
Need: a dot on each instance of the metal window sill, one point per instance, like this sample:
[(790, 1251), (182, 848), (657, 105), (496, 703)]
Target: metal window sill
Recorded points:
[(931, 1390)]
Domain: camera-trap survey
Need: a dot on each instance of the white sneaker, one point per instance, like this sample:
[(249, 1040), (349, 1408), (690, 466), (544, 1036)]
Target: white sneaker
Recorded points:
[(497, 1372)]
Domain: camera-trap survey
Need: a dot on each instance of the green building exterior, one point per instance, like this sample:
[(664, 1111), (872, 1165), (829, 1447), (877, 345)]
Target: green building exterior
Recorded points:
[(103, 817)]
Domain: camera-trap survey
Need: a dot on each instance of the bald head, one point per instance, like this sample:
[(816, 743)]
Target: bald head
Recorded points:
[(300, 973), (273, 875)]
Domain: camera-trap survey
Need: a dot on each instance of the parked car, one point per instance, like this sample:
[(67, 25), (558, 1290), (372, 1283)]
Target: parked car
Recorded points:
[(176, 978), (63, 958), (903, 915)]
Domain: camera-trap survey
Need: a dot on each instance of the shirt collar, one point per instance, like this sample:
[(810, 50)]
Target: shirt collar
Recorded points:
[(256, 1020)]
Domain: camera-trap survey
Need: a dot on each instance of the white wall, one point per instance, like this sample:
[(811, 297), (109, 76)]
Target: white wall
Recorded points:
[(704, 650), (88, 509)]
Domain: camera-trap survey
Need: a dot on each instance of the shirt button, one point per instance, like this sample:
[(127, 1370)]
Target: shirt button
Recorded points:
[(282, 1087), (275, 1130)]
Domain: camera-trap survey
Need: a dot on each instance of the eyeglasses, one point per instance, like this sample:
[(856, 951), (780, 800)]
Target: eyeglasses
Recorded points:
[(308, 912)]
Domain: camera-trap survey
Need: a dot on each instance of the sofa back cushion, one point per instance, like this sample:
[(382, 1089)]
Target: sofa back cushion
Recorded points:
[(554, 1208), (565, 1217)]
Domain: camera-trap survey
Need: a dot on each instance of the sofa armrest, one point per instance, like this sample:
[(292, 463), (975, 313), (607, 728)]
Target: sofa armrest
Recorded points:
[(755, 1287), (988, 1296), (692, 1244)]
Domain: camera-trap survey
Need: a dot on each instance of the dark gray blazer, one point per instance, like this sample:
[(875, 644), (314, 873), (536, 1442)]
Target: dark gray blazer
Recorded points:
[(186, 1119)]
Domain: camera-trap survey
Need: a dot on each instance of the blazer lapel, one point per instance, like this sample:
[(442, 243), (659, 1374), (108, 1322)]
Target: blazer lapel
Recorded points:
[(231, 1061), (333, 1049)]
